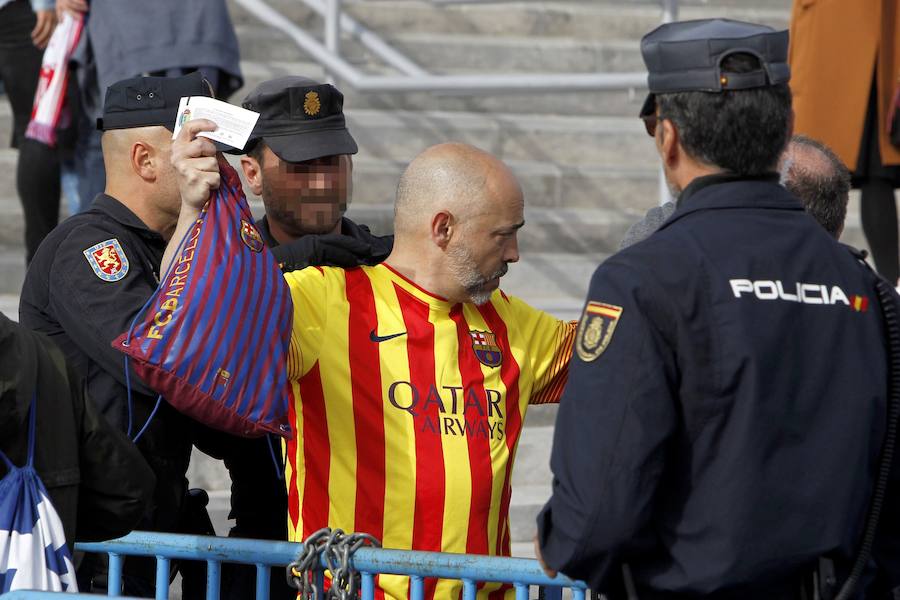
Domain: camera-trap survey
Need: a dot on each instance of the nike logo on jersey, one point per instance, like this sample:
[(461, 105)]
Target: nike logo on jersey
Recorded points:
[(383, 338)]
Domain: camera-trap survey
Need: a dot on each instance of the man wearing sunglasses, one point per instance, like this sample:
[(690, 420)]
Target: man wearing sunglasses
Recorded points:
[(720, 433)]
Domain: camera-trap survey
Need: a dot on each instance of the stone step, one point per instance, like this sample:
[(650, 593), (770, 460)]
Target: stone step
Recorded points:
[(620, 102), (577, 20), (613, 142), (440, 52)]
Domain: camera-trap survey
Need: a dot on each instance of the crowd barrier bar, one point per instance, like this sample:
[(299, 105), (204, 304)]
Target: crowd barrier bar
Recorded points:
[(369, 562)]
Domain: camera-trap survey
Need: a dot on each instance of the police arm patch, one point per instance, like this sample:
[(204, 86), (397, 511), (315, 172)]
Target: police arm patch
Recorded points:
[(108, 260), (595, 329)]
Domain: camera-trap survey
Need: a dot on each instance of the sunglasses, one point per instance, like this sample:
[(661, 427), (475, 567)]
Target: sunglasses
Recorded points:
[(650, 123)]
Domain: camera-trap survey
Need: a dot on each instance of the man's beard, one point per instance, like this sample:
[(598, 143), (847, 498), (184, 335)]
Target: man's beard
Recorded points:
[(462, 266), (674, 189), (287, 212)]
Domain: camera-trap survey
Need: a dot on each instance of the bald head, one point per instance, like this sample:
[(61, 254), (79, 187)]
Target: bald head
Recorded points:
[(118, 145), (813, 173), (454, 177), (456, 221)]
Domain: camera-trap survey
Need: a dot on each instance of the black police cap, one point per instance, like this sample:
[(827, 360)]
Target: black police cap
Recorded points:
[(300, 119), (147, 101), (687, 56)]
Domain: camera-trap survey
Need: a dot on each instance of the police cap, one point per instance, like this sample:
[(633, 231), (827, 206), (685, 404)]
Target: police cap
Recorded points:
[(147, 101), (687, 56), (300, 119)]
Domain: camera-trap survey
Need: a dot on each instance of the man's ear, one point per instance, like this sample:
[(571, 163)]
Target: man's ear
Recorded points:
[(668, 143), (144, 161), (253, 173), (442, 228)]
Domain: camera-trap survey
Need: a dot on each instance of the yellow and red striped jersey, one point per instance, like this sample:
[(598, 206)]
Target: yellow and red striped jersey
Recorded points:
[(407, 410)]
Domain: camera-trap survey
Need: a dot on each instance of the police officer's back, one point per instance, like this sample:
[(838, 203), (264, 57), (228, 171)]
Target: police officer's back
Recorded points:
[(725, 411)]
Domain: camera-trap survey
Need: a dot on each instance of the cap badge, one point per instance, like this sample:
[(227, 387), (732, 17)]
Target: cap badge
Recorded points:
[(311, 104), (598, 322), (250, 236), (108, 260)]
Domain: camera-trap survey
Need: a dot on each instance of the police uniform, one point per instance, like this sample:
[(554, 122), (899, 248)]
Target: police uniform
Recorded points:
[(726, 403), (89, 280)]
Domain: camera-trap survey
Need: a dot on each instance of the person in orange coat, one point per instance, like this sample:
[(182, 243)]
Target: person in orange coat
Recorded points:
[(845, 62)]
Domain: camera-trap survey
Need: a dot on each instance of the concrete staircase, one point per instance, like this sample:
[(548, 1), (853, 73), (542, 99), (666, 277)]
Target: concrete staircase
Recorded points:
[(585, 163)]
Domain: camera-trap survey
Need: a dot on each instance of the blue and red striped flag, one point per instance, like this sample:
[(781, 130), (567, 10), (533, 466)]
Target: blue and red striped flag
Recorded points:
[(214, 339)]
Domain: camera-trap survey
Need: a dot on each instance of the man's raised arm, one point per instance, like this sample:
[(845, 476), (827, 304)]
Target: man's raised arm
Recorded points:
[(197, 165)]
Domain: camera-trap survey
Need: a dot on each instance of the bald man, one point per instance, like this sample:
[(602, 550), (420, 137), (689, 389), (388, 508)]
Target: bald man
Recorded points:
[(93, 273), (813, 172), (411, 378)]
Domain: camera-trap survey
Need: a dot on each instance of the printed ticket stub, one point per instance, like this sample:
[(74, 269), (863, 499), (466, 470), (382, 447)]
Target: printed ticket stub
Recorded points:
[(235, 123)]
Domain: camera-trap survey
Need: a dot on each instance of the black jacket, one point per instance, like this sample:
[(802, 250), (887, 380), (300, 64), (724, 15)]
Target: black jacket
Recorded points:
[(82, 308), (726, 403), (96, 478)]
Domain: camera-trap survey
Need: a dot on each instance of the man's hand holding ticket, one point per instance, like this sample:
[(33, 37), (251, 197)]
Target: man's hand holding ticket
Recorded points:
[(234, 124)]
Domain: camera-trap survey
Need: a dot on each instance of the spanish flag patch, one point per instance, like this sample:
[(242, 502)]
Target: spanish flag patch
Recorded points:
[(595, 330)]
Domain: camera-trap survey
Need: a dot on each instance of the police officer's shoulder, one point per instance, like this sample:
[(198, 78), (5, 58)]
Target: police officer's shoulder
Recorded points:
[(90, 245), (857, 253)]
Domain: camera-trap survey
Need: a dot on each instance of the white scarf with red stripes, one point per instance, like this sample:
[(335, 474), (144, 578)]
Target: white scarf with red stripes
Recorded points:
[(51, 90)]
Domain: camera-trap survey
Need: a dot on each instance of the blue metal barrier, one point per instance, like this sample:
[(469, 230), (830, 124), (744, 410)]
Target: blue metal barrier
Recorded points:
[(369, 562)]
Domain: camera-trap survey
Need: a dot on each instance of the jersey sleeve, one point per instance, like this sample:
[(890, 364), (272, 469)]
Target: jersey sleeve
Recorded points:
[(549, 350), (92, 310), (309, 293), (616, 415)]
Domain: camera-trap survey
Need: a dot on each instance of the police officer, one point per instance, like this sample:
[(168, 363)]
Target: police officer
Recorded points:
[(91, 276), (299, 161), (726, 405)]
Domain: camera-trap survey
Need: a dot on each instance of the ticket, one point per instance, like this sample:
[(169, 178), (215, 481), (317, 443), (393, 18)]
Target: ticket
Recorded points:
[(235, 124)]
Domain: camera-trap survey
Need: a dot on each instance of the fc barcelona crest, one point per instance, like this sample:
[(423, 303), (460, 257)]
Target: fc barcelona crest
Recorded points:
[(108, 260), (484, 343), (595, 330), (251, 237)]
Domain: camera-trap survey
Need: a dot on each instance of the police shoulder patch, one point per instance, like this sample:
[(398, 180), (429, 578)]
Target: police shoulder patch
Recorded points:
[(108, 260), (595, 329)]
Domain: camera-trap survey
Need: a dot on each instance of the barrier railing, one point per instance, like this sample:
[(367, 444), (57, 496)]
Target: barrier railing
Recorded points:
[(470, 569)]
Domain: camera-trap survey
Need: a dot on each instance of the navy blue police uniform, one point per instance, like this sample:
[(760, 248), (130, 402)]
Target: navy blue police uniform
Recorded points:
[(726, 405), (89, 279)]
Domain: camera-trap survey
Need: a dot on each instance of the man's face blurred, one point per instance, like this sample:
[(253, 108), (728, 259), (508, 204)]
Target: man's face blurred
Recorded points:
[(308, 197)]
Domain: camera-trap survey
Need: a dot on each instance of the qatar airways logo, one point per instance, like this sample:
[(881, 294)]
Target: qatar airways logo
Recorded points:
[(474, 412), (804, 293)]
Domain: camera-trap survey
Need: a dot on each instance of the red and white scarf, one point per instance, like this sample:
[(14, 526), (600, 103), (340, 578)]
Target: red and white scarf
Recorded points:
[(51, 89)]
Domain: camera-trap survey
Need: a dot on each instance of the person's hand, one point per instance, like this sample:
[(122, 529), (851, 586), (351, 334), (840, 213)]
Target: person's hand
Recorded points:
[(537, 552), (43, 29), (75, 7), (195, 162)]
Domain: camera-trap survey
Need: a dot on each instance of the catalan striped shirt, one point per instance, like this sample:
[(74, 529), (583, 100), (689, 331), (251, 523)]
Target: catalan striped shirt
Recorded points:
[(407, 410)]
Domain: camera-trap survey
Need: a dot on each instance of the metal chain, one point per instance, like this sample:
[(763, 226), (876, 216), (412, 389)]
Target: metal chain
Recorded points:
[(336, 548)]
